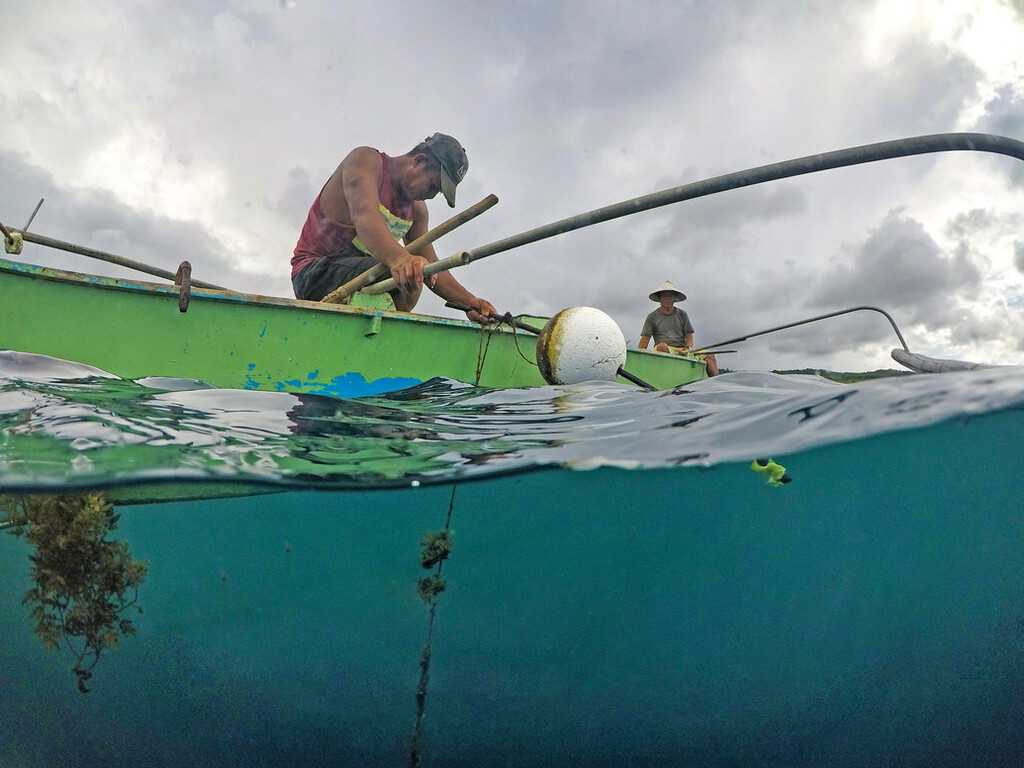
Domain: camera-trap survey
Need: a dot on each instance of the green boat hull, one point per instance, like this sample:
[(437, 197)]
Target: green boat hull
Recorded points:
[(231, 340)]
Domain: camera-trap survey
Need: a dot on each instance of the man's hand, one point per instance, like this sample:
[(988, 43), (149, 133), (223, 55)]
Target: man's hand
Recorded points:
[(408, 273), (482, 312)]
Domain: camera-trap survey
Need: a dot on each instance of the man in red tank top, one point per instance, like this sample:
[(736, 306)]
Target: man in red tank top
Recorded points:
[(371, 202)]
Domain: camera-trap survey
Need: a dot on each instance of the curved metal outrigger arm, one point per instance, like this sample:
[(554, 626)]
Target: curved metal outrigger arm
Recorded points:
[(712, 347), (868, 153), (916, 362)]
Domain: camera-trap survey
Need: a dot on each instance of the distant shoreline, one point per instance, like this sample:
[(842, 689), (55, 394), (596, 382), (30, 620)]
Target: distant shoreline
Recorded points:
[(848, 377)]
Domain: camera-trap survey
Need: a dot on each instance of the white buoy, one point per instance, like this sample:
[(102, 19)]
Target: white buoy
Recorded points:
[(580, 344)]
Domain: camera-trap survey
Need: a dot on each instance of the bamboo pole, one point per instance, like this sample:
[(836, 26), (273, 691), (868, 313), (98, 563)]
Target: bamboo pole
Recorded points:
[(339, 295), (441, 265), (34, 212), (121, 261)]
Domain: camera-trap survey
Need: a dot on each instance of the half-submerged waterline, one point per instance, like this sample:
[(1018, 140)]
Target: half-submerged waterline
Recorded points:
[(68, 426)]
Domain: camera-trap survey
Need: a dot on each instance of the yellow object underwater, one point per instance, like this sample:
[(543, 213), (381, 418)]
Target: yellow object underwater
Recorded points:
[(774, 473)]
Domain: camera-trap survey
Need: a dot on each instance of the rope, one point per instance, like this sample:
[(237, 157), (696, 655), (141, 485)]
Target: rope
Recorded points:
[(481, 351), (507, 318), (481, 354), (436, 549), (13, 242)]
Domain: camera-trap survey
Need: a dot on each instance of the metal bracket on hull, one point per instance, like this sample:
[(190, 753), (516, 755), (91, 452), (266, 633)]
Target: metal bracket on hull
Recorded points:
[(384, 301), (372, 326), (183, 279)]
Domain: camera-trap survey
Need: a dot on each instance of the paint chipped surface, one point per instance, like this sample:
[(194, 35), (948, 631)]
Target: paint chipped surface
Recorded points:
[(346, 385)]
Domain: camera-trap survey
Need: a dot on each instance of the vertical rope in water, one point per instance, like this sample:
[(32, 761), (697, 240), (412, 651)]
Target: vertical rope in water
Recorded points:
[(421, 690)]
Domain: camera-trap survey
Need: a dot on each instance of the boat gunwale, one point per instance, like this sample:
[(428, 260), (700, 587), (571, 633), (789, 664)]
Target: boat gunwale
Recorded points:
[(226, 298), (88, 279)]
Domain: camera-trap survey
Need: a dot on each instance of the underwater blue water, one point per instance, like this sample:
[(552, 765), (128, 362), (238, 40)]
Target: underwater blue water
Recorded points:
[(623, 588)]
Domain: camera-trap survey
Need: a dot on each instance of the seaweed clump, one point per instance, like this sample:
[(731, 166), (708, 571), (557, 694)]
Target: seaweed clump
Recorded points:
[(429, 588), (436, 548), (82, 583)]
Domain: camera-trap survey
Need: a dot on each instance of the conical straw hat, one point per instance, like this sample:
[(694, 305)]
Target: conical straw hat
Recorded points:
[(667, 286)]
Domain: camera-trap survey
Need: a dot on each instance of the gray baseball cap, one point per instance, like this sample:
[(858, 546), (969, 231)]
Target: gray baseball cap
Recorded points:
[(454, 162)]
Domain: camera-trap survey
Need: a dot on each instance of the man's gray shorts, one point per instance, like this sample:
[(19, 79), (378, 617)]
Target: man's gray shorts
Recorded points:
[(323, 275)]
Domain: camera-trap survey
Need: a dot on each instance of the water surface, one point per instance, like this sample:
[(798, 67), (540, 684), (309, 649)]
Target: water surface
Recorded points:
[(623, 588)]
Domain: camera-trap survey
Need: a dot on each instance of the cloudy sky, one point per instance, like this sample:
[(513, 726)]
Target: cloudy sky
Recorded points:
[(203, 129)]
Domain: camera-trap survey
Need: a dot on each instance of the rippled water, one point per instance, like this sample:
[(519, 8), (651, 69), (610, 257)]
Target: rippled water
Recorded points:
[(668, 607), (66, 425)]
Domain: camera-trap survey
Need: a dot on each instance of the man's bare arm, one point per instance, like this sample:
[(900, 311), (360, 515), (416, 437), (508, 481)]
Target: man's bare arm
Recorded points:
[(444, 284), (353, 190)]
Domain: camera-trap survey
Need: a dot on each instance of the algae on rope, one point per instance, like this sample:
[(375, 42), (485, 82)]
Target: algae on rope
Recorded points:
[(436, 547)]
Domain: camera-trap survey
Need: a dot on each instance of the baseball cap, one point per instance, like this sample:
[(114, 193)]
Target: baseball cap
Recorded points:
[(454, 162)]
